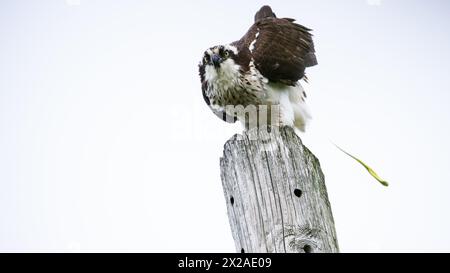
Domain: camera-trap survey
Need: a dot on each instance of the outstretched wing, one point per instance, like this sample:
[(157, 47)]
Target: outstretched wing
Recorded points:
[(280, 48), (221, 114)]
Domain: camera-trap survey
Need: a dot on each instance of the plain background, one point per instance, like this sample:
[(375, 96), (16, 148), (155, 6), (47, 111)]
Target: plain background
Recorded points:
[(106, 143)]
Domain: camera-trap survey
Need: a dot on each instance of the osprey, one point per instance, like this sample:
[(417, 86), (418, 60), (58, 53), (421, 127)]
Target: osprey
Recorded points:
[(263, 68)]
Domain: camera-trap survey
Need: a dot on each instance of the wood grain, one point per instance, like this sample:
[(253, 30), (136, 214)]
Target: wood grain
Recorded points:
[(276, 195)]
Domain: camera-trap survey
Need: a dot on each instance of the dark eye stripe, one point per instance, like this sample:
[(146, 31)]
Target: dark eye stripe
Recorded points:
[(206, 58)]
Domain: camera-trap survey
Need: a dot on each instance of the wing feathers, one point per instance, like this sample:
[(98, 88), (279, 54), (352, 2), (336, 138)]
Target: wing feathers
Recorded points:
[(282, 49), (264, 12)]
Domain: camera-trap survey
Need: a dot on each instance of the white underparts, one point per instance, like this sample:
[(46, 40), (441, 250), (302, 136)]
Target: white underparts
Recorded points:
[(228, 88), (223, 78), (294, 111), (283, 106)]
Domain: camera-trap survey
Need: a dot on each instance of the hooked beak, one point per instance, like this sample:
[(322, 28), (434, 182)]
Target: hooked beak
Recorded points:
[(216, 60)]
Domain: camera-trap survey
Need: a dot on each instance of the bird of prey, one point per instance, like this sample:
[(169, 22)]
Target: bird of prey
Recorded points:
[(263, 68)]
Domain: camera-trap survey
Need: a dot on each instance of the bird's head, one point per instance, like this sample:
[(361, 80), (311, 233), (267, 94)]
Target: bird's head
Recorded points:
[(218, 56)]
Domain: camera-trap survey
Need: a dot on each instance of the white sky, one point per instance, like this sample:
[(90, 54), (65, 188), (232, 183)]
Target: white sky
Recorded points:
[(106, 143)]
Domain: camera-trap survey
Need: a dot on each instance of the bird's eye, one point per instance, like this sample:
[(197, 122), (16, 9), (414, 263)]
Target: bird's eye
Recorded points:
[(226, 53), (206, 59)]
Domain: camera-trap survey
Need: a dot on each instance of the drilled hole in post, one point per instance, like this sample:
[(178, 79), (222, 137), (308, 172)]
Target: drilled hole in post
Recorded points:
[(232, 200), (242, 250), (307, 249), (298, 192)]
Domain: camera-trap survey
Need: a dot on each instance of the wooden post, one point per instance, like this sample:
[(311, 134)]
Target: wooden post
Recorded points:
[(276, 195)]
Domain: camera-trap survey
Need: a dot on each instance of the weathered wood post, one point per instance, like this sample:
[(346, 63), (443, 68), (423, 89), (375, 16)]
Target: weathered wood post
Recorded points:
[(276, 195)]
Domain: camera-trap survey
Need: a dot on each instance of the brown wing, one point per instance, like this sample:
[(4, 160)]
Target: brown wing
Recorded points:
[(264, 12), (282, 50)]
